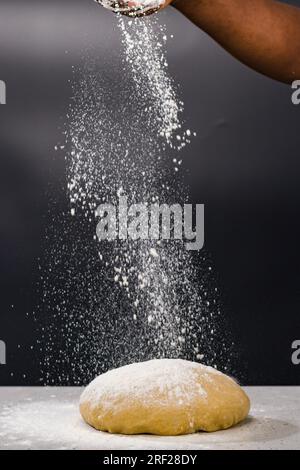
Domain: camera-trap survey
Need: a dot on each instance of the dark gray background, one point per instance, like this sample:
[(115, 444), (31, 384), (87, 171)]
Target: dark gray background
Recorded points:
[(245, 167)]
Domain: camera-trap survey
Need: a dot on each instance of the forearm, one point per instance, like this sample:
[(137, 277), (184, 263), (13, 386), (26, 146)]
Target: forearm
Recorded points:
[(264, 34)]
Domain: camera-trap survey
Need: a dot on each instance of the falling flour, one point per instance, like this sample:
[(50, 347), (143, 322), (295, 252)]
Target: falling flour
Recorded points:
[(111, 303), (144, 46)]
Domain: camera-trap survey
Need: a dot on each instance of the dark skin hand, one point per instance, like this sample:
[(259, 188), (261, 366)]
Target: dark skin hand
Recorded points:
[(263, 34)]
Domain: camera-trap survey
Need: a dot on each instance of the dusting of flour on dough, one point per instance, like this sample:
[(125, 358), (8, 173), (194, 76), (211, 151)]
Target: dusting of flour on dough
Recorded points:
[(170, 377)]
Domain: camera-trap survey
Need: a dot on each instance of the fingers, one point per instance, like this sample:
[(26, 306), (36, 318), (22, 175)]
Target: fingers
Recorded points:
[(167, 3)]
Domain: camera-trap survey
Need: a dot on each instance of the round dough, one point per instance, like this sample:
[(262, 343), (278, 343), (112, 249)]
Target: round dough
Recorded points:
[(165, 397)]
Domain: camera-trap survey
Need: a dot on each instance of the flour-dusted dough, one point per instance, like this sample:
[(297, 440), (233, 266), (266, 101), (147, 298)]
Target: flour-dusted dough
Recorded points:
[(165, 397)]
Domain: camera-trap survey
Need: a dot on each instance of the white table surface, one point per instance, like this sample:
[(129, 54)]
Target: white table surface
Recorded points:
[(48, 418)]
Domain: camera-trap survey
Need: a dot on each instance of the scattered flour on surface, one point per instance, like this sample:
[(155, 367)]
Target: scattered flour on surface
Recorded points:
[(31, 419)]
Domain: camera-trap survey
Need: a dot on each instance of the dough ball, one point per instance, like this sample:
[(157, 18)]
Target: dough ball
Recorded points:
[(166, 397)]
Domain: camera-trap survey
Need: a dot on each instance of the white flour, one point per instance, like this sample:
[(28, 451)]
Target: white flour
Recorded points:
[(132, 7), (173, 378), (48, 418), (145, 52), (110, 304)]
